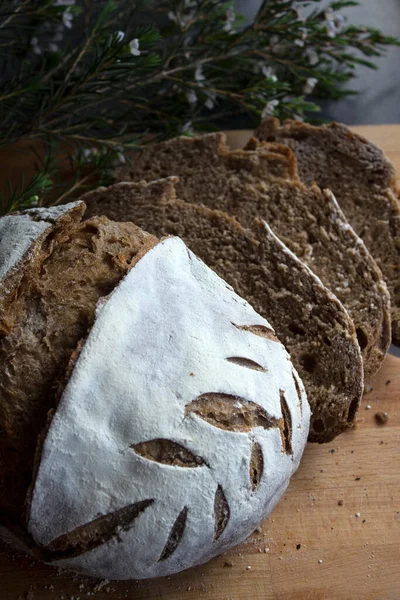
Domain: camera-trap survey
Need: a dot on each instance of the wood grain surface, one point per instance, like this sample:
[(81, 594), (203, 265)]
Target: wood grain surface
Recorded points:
[(335, 535)]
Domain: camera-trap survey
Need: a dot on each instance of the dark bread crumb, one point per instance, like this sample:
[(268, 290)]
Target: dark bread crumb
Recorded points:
[(381, 418), (227, 563)]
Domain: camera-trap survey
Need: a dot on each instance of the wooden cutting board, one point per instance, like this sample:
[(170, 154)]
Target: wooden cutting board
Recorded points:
[(335, 535)]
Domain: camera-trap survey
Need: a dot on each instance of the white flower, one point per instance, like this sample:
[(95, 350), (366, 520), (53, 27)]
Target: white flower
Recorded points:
[(312, 56), (269, 72), (309, 85), (134, 47), (340, 23), (304, 33), (199, 75), (89, 153), (181, 20), (299, 43), (64, 3), (331, 27), (187, 128), (230, 19), (35, 45), (334, 22), (173, 17), (329, 14), (191, 97), (119, 156), (269, 108), (301, 12), (209, 103), (120, 35), (67, 18)]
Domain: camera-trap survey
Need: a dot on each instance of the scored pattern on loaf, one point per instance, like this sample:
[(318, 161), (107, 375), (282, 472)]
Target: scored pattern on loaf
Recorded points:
[(222, 512), (260, 330), (286, 430), (297, 386), (168, 452), (216, 409), (256, 465), (175, 536), (246, 362), (97, 532)]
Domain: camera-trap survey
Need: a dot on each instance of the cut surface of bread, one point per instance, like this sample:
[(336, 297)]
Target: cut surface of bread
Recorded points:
[(363, 181), (47, 307), (308, 319), (261, 181)]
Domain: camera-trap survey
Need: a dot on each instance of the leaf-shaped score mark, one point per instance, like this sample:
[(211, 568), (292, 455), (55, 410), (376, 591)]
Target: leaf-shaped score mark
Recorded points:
[(168, 452), (297, 386), (89, 536), (246, 362), (231, 412), (222, 512), (175, 535), (260, 330), (256, 465), (286, 429)]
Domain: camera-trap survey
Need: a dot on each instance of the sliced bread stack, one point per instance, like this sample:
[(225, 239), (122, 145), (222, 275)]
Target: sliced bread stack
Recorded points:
[(308, 318), (363, 181), (262, 182)]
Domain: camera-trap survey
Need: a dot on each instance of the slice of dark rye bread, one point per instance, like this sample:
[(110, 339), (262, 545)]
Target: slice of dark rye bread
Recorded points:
[(308, 318), (47, 306), (259, 182), (364, 182)]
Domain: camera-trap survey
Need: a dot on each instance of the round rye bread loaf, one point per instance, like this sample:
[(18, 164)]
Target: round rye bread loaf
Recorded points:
[(149, 417)]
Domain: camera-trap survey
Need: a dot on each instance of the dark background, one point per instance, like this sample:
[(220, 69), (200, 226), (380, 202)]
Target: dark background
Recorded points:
[(379, 97)]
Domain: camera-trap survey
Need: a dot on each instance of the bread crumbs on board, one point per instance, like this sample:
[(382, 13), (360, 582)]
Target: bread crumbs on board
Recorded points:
[(381, 417)]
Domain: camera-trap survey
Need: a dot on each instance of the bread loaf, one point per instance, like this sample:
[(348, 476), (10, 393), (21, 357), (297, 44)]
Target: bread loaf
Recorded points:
[(364, 182), (157, 419), (308, 319), (264, 183)]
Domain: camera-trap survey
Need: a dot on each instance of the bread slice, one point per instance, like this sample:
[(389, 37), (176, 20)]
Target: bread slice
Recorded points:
[(308, 318), (363, 181), (52, 278), (262, 182)]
